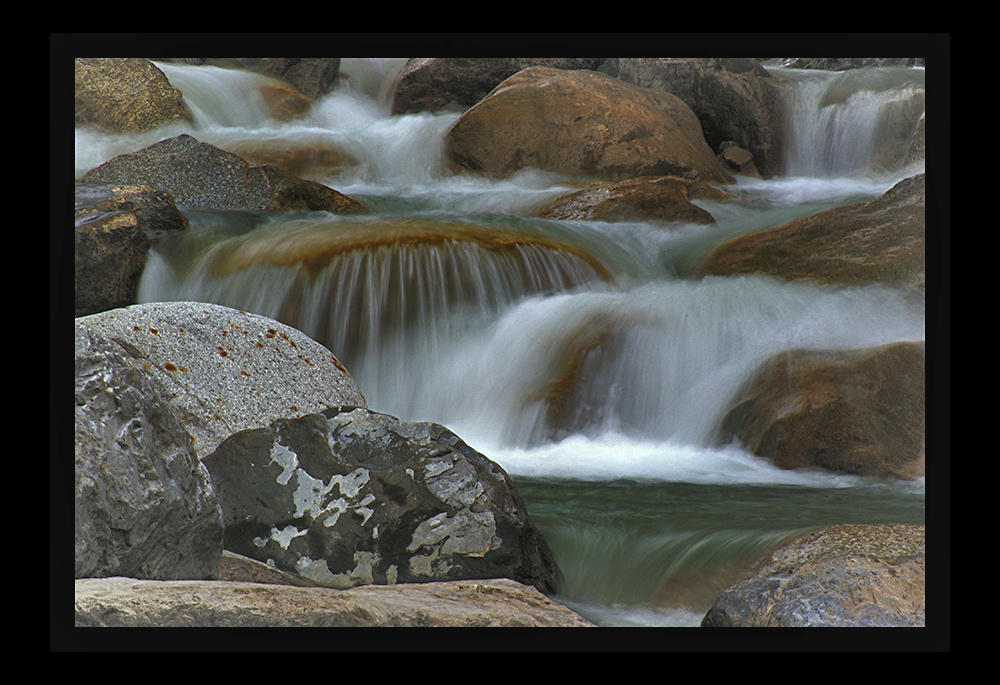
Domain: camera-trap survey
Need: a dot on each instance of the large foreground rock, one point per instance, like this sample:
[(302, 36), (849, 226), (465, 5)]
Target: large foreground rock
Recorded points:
[(735, 99), (879, 241), (223, 370), (843, 576), (581, 123), (353, 497), (852, 411), (125, 602), (144, 503), (114, 229), (200, 175), (125, 95)]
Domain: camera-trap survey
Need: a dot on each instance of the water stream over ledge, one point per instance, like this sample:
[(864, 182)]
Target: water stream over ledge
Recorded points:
[(646, 516)]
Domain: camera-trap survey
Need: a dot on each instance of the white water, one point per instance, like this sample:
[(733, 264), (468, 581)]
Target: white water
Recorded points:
[(671, 351)]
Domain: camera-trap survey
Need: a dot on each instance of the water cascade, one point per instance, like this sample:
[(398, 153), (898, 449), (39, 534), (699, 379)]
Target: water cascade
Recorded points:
[(578, 355)]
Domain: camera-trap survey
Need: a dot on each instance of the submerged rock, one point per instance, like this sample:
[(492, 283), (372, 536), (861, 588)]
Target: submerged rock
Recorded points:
[(125, 602), (870, 576), (200, 175), (581, 123), (353, 497)]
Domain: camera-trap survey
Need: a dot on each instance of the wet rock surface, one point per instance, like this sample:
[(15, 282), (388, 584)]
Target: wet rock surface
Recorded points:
[(352, 497), (125, 95)]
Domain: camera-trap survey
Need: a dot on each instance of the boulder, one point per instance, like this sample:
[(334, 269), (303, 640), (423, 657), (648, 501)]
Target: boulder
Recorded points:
[(126, 602), (734, 99), (224, 370), (115, 226), (663, 198), (870, 576), (431, 84), (879, 241), (580, 123), (200, 175), (351, 497), (125, 95), (144, 503), (737, 160), (313, 77), (856, 411)]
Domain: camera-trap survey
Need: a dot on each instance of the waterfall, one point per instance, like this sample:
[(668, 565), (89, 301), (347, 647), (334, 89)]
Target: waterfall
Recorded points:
[(851, 123)]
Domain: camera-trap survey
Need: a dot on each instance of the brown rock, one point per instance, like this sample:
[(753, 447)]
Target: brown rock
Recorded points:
[(126, 602), (236, 568), (125, 95), (308, 160), (641, 199), (859, 412), (115, 225), (880, 241), (580, 123), (841, 576), (431, 84)]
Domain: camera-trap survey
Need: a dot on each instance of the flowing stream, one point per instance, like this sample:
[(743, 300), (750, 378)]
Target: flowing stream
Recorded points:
[(578, 355)]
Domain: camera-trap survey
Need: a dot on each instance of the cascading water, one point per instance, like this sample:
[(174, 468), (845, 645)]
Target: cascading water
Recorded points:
[(575, 354)]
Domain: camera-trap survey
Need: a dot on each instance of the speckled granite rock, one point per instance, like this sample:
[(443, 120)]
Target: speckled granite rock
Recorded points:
[(126, 602), (224, 370), (841, 576), (353, 497)]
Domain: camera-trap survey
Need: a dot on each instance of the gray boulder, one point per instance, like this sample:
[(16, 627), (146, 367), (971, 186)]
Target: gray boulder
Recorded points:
[(869, 576), (200, 175), (144, 504), (225, 370), (352, 497)]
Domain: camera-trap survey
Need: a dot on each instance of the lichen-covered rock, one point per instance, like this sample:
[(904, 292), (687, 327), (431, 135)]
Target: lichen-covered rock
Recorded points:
[(878, 241), (580, 123), (353, 497), (126, 602), (200, 175), (851, 411), (125, 95), (144, 504), (224, 370), (663, 198), (869, 576), (115, 226)]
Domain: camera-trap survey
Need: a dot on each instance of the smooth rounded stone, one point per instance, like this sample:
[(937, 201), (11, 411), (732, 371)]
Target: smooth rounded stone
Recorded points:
[(125, 95), (126, 602), (200, 175), (144, 503), (842, 576), (353, 497), (878, 241), (845, 411), (580, 123), (114, 229), (223, 370)]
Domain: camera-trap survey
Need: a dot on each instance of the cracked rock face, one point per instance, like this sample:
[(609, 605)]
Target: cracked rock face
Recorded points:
[(352, 497)]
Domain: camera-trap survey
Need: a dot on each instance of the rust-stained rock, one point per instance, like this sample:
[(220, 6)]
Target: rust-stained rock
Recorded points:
[(842, 576), (580, 123), (664, 198), (857, 411), (125, 95), (879, 241)]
